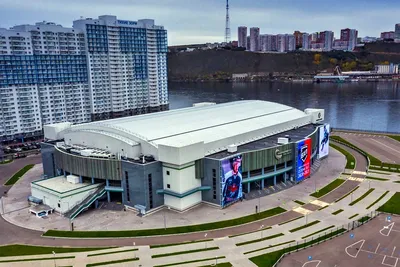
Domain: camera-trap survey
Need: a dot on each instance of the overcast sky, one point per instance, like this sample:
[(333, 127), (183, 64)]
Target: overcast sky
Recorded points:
[(200, 21)]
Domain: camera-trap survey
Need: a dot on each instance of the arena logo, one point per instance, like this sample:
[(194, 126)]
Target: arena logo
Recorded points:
[(304, 153), (279, 154)]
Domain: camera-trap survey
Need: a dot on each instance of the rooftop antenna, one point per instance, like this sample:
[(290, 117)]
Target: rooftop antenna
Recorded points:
[(227, 24)]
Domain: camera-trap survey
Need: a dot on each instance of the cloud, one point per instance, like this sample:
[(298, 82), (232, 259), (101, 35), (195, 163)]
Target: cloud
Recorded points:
[(204, 21)]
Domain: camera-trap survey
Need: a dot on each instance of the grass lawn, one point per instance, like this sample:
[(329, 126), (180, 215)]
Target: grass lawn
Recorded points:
[(40, 259), (177, 244), (397, 182), (304, 226), (328, 188), (111, 262), (354, 189), (183, 252), (265, 228), (299, 202), (362, 197), (377, 178), (19, 174), (193, 261), (324, 207), (393, 205), (351, 161), (376, 201), (224, 264), (395, 137), (168, 231), (23, 250), (6, 161), (270, 246), (337, 212), (364, 219), (385, 170), (317, 232), (378, 172), (355, 215), (112, 252), (269, 259), (259, 240), (282, 223)]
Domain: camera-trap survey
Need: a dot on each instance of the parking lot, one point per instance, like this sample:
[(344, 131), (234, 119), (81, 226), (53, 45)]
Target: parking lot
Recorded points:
[(375, 244)]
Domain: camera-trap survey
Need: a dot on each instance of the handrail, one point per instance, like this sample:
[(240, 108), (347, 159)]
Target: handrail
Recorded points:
[(86, 203)]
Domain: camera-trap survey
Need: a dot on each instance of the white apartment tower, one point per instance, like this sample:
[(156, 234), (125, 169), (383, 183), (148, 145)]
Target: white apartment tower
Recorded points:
[(242, 36), (99, 69), (254, 39)]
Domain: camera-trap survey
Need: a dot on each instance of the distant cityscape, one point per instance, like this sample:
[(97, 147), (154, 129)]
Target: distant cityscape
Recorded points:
[(318, 41)]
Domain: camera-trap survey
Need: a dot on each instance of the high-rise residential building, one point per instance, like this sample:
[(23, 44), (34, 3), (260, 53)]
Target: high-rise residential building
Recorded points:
[(242, 36), (290, 42), (327, 38), (248, 43), (299, 38), (99, 69), (397, 31), (306, 41), (387, 35), (281, 43), (350, 36), (254, 39)]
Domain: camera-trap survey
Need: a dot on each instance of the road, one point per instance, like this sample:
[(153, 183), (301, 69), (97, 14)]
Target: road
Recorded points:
[(13, 234), (7, 170)]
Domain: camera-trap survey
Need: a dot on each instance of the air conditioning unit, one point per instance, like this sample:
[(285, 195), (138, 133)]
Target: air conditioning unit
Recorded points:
[(232, 148), (283, 140)]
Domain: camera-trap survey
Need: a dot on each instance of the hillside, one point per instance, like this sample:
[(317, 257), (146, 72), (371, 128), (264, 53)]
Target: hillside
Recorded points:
[(214, 64)]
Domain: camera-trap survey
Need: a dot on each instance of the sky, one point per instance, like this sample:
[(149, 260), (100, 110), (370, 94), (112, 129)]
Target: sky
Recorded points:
[(201, 21)]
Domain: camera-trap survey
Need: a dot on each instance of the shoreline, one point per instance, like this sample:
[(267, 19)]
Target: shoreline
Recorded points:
[(281, 81)]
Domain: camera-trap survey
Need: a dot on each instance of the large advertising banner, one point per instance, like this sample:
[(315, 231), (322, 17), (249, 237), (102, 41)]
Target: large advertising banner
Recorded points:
[(231, 180), (324, 132), (303, 165)]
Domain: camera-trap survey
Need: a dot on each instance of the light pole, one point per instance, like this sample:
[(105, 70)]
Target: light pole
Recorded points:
[(2, 205), (134, 253), (261, 228), (54, 254), (206, 240), (259, 197), (306, 217), (165, 219), (351, 198), (369, 184)]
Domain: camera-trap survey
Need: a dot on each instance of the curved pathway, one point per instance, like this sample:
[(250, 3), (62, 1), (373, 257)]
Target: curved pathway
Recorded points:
[(13, 234)]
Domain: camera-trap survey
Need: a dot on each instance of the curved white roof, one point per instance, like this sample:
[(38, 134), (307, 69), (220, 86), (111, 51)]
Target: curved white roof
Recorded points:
[(208, 124)]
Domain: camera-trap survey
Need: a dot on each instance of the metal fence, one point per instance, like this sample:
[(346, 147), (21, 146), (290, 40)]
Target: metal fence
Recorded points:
[(326, 235), (364, 131)]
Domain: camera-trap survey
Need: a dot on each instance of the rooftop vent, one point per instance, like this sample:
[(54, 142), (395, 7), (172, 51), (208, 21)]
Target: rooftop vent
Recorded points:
[(283, 140), (232, 148)]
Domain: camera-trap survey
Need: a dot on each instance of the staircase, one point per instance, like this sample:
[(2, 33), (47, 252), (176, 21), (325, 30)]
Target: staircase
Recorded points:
[(315, 166), (75, 211)]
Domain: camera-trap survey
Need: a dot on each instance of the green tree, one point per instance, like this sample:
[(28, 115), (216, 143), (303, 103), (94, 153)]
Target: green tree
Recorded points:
[(333, 61)]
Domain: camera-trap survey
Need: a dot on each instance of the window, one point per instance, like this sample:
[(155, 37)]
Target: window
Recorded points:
[(150, 191), (128, 197), (168, 186), (167, 172)]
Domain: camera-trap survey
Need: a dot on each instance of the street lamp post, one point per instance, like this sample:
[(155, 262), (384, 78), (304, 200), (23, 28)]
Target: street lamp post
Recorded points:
[(54, 258), (165, 219), (205, 241), (261, 228), (259, 196), (2, 205), (134, 253)]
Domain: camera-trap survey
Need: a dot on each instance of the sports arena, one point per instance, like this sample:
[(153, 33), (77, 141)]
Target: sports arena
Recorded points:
[(214, 153)]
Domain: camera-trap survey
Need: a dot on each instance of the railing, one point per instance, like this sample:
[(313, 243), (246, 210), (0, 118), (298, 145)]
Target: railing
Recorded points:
[(299, 245), (86, 203), (364, 131)]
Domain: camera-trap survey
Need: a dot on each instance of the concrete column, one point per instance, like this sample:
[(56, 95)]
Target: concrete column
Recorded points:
[(262, 183), (248, 187), (96, 204), (108, 192), (80, 179), (123, 197), (92, 180), (284, 175), (65, 174), (275, 175)]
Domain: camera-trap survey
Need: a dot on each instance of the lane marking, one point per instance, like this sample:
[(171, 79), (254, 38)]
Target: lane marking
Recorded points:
[(376, 250), (358, 251), (314, 261), (389, 226), (391, 148)]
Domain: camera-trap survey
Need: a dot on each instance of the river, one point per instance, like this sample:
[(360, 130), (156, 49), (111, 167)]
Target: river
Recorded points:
[(359, 106)]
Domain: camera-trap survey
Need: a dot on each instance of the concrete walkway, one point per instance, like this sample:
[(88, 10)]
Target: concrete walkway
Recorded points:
[(228, 246)]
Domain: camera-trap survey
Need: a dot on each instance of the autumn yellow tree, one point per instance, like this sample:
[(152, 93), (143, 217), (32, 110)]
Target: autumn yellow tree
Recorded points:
[(385, 63), (317, 59), (333, 61)]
